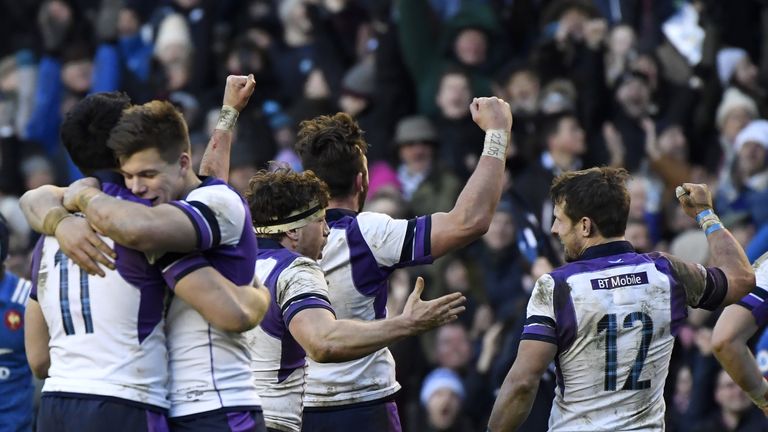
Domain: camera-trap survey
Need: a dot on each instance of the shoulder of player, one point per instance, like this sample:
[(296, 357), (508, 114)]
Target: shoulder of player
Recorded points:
[(302, 264), (220, 198), (761, 271)]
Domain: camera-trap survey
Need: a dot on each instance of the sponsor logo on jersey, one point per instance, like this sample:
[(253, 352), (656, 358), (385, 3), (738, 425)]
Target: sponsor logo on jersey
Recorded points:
[(13, 320), (620, 281)]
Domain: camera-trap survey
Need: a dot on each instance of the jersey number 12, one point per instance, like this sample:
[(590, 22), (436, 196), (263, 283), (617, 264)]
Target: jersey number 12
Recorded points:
[(62, 261), (608, 323)]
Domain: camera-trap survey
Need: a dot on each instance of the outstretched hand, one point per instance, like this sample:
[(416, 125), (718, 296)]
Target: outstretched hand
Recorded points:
[(426, 315), (238, 90), (491, 113), (694, 198)]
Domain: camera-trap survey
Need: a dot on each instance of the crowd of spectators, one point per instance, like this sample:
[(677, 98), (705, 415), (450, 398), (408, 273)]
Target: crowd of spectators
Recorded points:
[(675, 91)]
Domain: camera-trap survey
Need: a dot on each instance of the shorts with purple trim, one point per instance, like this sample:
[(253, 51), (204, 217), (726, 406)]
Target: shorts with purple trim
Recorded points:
[(220, 421), (375, 416), (74, 412)]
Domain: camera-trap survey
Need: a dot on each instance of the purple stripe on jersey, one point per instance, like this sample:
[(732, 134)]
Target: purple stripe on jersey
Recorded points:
[(156, 422), (176, 271), (136, 270), (292, 355), (368, 277), (37, 256), (565, 315), (198, 221), (751, 301), (394, 417), (241, 421), (760, 314), (305, 303), (538, 329), (422, 242), (677, 296)]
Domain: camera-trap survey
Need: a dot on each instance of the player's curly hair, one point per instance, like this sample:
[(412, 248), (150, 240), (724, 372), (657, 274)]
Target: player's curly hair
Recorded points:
[(333, 147), (275, 194), (598, 193)]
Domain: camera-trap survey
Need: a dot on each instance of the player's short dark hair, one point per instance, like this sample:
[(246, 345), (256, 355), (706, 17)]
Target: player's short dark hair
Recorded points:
[(275, 194), (86, 128), (597, 193), (333, 148), (155, 124)]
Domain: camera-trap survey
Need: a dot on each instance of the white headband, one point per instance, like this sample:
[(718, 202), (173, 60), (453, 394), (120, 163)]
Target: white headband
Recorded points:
[(296, 219)]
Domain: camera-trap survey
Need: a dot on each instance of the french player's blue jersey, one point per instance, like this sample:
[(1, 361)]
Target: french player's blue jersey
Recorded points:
[(15, 377)]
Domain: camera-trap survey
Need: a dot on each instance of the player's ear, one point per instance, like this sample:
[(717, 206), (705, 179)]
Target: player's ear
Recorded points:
[(586, 227), (359, 180), (185, 161), (293, 234)]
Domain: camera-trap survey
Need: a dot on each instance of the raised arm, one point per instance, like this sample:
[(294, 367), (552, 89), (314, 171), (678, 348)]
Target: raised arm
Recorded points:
[(471, 216), (724, 250), (329, 340), (215, 160), (225, 305)]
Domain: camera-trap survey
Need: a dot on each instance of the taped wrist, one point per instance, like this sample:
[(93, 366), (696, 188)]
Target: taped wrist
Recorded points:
[(227, 118), (495, 144), (53, 218)]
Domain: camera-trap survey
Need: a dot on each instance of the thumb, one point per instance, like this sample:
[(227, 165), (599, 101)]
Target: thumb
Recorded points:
[(418, 289)]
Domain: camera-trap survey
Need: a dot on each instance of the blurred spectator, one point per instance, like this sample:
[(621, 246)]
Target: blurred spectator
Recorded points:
[(562, 139), (426, 185), (736, 412), (442, 396)]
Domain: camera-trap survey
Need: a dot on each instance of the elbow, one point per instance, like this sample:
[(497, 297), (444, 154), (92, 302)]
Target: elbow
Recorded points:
[(39, 367), (747, 281), (723, 341), (327, 353), (480, 224), (525, 386)]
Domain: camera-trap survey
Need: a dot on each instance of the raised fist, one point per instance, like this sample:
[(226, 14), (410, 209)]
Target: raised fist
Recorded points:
[(491, 113)]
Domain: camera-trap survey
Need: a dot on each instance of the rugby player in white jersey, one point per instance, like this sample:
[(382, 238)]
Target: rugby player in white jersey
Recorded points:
[(288, 212), (210, 384), (107, 359), (608, 318), (736, 325), (363, 249)]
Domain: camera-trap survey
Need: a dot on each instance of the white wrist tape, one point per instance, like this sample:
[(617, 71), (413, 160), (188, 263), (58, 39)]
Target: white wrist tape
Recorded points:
[(495, 144), (227, 118)]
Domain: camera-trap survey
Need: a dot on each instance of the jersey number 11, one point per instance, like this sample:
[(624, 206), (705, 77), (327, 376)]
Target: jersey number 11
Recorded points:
[(62, 262)]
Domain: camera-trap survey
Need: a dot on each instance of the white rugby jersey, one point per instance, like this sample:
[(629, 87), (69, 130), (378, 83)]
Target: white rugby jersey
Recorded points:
[(613, 315), (295, 283), (107, 334), (209, 367), (361, 252)]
